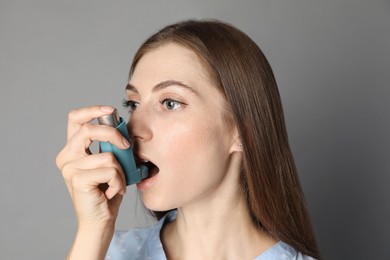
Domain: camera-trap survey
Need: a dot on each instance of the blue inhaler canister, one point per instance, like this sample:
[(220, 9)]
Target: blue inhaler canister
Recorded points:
[(125, 157)]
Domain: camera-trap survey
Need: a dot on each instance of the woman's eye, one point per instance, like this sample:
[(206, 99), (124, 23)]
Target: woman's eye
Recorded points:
[(171, 104), (130, 104)]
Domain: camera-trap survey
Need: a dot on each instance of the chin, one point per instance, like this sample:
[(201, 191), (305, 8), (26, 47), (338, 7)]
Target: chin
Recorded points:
[(157, 205)]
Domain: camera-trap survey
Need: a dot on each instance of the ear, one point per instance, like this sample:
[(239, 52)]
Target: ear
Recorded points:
[(236, 142)]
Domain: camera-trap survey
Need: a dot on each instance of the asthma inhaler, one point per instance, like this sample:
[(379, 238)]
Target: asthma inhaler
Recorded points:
[(125, 157)]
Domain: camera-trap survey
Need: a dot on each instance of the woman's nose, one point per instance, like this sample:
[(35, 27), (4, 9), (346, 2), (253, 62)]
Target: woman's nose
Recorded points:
[(138, 126)]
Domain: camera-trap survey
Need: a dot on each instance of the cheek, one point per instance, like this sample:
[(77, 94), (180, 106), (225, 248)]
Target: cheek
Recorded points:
[(194, 148), (183, 140)]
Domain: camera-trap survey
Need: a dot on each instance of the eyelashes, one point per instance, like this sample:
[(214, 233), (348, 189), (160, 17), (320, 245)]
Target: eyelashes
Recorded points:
[(130, 105), (166, 103), (171, 104)]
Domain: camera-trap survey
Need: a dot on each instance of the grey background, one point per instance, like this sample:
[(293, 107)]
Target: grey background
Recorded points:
[(332, 62)]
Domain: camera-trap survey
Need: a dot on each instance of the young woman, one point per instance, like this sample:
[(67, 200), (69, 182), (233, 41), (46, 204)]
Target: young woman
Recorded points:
[(205, 112)]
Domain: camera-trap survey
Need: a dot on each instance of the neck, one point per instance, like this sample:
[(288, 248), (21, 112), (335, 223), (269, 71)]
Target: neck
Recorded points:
[(216, 227)]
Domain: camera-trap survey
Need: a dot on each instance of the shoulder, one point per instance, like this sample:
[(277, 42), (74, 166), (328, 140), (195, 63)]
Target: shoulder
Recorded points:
[(283, 251), (139, 243)]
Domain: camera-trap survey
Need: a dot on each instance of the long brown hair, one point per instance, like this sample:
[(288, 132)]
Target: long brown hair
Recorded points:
[(243, 75)]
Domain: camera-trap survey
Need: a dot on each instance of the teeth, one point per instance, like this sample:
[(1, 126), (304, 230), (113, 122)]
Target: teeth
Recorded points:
[(145, 161)]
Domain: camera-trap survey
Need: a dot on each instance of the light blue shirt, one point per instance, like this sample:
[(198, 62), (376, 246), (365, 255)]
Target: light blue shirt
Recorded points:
[(145, 243)]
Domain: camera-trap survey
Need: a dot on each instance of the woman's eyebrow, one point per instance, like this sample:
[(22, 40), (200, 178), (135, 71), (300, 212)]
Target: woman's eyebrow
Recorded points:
[(163, 85)]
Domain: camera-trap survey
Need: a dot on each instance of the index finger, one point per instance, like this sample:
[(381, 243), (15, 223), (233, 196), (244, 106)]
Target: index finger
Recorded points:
[(78, 117)]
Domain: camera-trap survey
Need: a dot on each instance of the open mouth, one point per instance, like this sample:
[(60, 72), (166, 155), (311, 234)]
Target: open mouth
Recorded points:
[(152, 168)]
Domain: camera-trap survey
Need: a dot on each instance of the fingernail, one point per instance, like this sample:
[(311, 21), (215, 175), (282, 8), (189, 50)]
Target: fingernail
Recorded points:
[(107, 109), (125, 143)]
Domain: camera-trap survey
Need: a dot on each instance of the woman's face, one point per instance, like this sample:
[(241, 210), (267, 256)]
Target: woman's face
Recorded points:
[(177, 121)]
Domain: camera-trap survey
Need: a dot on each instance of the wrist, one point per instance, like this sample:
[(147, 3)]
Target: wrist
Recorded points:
[(95, 227), (92, 241)]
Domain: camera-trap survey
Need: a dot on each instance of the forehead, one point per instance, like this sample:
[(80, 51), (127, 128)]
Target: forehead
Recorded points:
[(170, 61)]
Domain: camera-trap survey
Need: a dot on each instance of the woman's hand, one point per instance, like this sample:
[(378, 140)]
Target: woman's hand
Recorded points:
[(95, 182)]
